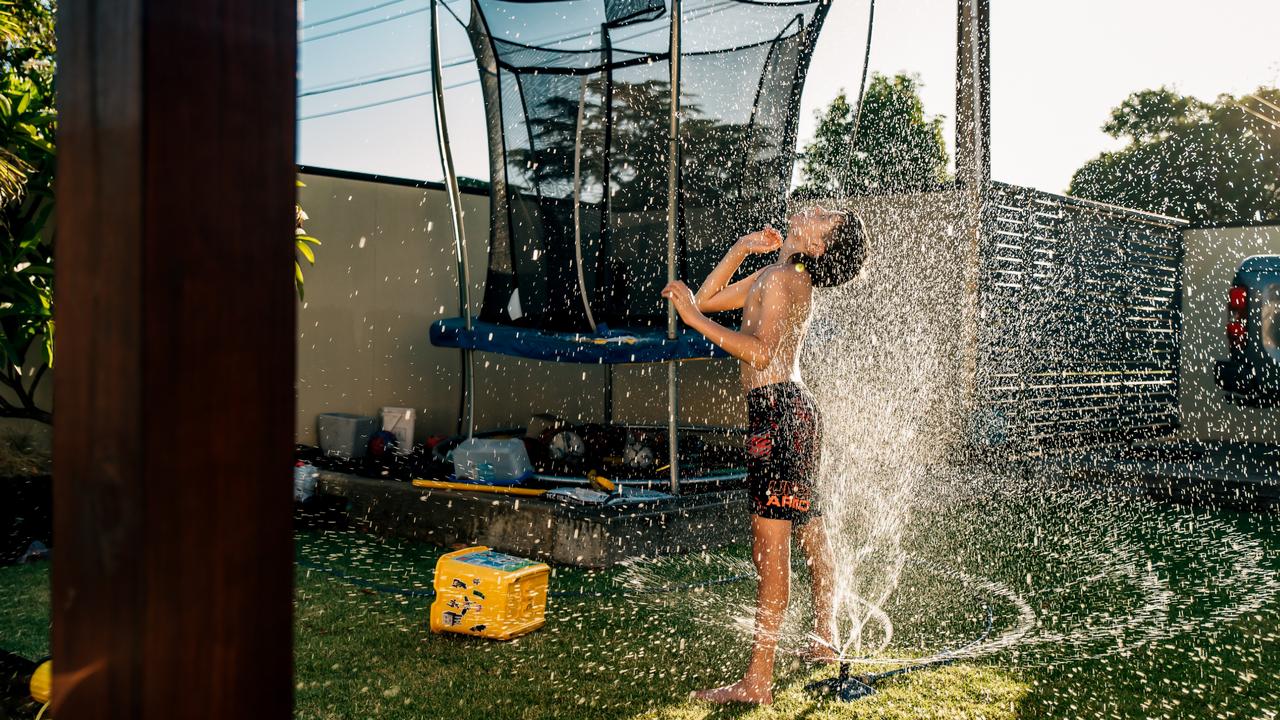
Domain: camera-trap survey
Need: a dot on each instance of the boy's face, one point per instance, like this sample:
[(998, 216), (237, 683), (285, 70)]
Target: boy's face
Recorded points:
[(811, 227)]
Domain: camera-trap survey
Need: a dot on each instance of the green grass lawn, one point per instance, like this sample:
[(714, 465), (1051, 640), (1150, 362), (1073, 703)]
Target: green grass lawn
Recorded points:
[(360, 653), (364, 653), (24, 609)]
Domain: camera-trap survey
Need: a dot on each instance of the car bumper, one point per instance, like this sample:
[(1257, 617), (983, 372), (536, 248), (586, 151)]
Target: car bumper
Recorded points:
[(1246, 378)]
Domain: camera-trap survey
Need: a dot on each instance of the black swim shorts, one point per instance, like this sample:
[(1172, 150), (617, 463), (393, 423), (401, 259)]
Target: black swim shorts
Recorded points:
[(784, 448)]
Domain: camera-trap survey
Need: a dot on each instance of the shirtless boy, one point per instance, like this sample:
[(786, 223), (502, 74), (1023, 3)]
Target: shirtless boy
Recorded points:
[(822, 248)]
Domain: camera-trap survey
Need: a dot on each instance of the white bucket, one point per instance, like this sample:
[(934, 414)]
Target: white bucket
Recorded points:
[(399, 422)]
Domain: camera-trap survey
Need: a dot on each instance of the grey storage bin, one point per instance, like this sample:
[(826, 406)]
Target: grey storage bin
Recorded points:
[(345, 434)]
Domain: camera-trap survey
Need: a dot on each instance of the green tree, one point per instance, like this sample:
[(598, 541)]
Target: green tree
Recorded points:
[(722, 162), (1204, 161), (28, 126), (27, 129), (898, 147)]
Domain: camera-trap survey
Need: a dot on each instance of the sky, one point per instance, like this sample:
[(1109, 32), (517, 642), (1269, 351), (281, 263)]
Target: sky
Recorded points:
[(1057, 69)]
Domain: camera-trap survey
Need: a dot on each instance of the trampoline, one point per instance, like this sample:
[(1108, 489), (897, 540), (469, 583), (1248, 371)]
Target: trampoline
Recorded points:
[(630, 143), (605, 346)]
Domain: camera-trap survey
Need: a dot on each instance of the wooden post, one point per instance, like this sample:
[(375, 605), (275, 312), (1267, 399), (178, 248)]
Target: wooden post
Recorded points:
[(175, 359)]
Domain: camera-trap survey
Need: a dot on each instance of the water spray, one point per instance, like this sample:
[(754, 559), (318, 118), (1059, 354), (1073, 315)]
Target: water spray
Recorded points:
[(847, 687)]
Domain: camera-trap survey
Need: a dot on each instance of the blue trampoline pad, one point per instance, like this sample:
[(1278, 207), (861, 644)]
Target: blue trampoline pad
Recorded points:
[(606, 346)]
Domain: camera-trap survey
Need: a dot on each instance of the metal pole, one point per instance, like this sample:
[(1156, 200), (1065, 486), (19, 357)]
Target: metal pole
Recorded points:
[(455, 208), (862, 93), (973, 94), (673, 187), (577, 203), (973, 170)]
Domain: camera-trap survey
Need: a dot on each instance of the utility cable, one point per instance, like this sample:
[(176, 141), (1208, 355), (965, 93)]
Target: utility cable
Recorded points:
[(862, 91), (711, 8), (351, 14)]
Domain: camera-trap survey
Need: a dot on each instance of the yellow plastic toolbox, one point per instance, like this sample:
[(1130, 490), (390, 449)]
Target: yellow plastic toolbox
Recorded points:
[(489, 594)]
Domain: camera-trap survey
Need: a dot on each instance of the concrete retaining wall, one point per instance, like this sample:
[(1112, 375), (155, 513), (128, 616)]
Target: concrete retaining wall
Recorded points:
[(386, 271)]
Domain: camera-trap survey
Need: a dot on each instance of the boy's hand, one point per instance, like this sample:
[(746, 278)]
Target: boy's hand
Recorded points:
[(680, 295), (761, 241)]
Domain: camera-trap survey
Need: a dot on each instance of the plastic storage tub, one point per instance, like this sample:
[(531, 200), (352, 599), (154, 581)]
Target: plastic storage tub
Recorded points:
[(486, 593), (345, 434), (491, 461), (399, 422)]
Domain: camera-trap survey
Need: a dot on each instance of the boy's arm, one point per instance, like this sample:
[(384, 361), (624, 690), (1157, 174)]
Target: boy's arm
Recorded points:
[(730, 298), (720, 276), (754, 346), (717, 283)]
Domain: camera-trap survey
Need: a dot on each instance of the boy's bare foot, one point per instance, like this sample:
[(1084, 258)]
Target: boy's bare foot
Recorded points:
[(820, 652), (739, 692)]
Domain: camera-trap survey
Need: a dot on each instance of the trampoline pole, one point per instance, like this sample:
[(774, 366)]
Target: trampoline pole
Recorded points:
[(459, 233), (673, 188), (577, 202)]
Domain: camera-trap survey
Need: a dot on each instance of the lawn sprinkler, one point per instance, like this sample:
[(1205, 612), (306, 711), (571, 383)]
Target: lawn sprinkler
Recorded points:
[(844, 687)]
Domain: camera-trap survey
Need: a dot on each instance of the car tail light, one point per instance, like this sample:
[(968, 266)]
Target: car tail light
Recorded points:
[(1238, 301), (1235, 334)]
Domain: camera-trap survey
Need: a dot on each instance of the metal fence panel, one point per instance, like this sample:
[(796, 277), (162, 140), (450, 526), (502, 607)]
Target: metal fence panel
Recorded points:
[(1079, 321)]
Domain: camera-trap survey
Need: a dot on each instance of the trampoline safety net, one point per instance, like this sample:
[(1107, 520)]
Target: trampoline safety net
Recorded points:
[(577, 102)]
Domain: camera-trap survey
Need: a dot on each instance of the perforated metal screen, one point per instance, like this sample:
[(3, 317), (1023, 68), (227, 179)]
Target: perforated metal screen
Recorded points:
[(1079, 321)]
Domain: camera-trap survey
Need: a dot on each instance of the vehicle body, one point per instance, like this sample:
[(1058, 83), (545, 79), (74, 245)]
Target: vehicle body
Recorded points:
[(1251, 372)]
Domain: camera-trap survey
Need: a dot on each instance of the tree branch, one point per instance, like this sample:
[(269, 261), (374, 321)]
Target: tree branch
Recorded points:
[(35, 381), (7, 378)]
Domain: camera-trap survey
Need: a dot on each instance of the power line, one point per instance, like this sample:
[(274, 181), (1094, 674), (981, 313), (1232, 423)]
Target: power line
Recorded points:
[(396, 74), (1270, 121), (369, 80), (366, 106), (378, 103), (371, 23), (351, 14), (1264, 101), (445, 3), (712, 7), (375, 78)]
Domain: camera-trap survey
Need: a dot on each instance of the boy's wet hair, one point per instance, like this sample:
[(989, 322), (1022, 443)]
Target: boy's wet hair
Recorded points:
[(846, 250)]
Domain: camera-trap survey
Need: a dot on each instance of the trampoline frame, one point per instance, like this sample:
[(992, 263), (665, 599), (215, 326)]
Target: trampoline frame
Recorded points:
[(467, 416)]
